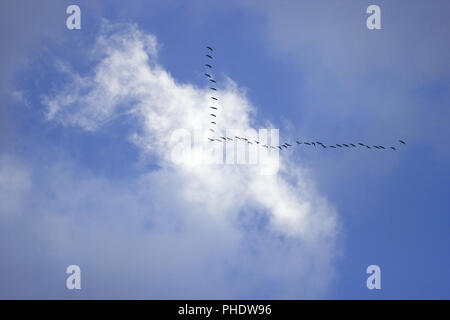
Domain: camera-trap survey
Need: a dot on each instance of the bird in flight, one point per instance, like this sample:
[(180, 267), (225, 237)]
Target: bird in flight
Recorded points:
[(285, 145)]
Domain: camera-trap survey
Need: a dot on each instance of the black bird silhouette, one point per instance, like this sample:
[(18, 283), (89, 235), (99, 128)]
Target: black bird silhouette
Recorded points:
[(368, 147), (208, 65), (212, 80), (393, 148), (339, 145), (213, 88), (345, 145), (381, 147), (213, 115), (307, 143), (209, 56), (209, 48), (213, 122), (215, 108), (280, 148), (229, 139), (334, 147), (362, 144), (298, 142), (208, 75), (288, 144), (313, 144), (211, 130), (401, 141), (211, 139), (214, 98), (352, 145)]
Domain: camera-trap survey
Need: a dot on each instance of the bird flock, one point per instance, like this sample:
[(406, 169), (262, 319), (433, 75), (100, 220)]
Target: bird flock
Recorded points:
[(214, 107)]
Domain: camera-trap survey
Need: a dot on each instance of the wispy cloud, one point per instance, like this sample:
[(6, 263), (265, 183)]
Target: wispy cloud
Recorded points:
[(181, 230)]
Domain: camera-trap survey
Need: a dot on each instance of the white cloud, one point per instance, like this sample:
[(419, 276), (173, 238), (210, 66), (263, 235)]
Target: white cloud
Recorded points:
[(274, 228)]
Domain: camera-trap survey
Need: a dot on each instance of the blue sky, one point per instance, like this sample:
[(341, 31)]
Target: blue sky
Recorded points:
[(91, 184)]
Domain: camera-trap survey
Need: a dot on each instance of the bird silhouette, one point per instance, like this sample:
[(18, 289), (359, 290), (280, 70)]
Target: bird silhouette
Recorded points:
[(212, 80), (209, 56), (208, 75), (208, 65), (211, 114), (401, 141), (209, 48)]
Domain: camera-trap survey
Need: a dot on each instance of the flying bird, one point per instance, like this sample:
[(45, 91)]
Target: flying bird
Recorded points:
[(209, 56), (208, 65), (298, 142), (213, 115), (214, 98), (212, 80), (213, 122), (209, 48), (401, 141), (208, 75), (393, 148), (212, 88), (215, 108)]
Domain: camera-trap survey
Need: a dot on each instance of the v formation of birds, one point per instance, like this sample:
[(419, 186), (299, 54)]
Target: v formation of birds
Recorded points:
[(213, 122)]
